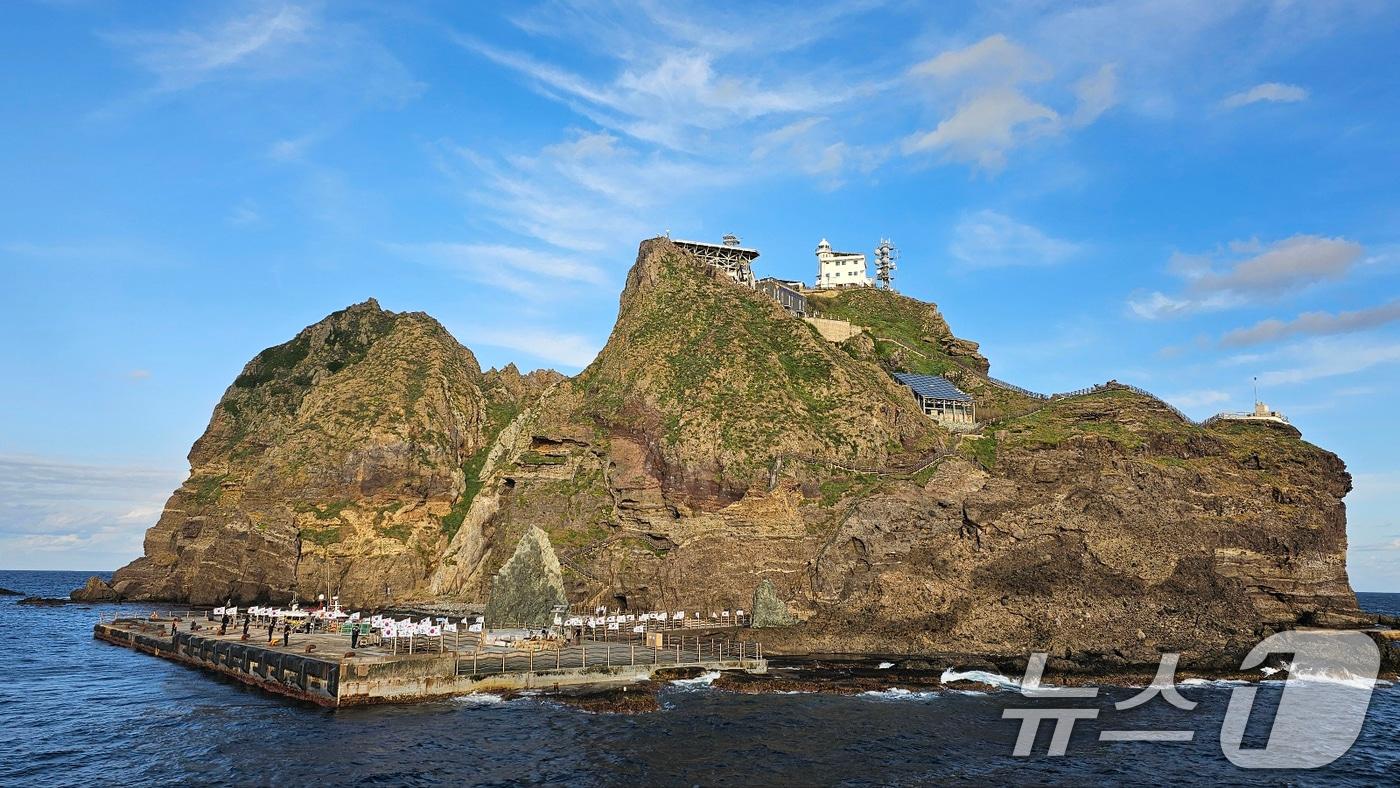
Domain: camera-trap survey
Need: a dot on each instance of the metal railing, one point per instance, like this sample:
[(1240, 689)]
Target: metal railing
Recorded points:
[(676, 652)]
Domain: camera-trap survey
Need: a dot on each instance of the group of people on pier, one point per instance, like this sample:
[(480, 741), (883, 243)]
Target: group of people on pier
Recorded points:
[(389, 632)]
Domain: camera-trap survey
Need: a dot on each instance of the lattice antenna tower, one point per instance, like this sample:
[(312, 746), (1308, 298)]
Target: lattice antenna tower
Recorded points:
[(886, 255)]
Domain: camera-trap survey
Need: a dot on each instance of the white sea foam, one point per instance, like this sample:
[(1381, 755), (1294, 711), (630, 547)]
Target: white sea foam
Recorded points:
[(1211, 682), (995, 679), (1343, 677), (885, 665), (480, 699), (703, 680), (898, 693)]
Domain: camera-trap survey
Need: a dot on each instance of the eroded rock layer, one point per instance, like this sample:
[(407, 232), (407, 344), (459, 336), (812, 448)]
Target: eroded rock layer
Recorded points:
[(333, 462), (718, 443)]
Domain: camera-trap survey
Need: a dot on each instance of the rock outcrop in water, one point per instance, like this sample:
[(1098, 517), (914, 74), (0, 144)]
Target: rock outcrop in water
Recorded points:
[(718, 443), (96, 590)]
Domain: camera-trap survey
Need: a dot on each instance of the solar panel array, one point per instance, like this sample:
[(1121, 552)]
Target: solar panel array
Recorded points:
[(932, 387)]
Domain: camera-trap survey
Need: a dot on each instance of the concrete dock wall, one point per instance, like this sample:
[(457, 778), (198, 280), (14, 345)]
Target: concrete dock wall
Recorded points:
[(303, 677), (399, 682), (398, 678)]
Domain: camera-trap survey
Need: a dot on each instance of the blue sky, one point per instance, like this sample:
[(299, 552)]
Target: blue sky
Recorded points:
[(1179, 194)]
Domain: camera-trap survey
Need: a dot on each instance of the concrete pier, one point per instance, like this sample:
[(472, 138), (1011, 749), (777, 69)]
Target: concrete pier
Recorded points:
[(332, 675)]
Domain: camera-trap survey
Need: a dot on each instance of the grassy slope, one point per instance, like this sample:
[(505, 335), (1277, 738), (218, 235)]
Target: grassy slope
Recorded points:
[(719, 370), (925, 337)]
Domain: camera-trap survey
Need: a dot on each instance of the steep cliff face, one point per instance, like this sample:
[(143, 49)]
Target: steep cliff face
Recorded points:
[(1102, 527), (701, 454), (332, 461), (713, 382), (718, 444), (707, 399)]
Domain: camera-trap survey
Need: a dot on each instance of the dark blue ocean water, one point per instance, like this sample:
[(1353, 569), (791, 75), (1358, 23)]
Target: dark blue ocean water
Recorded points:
[(74, 711)]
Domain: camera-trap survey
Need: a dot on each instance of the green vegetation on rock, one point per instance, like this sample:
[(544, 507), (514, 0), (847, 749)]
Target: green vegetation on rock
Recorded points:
[(725, 379), (322, 537), (208, 489)]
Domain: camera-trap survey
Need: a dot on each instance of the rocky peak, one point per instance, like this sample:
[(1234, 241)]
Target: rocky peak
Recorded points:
[(338, 452), (717, 382)]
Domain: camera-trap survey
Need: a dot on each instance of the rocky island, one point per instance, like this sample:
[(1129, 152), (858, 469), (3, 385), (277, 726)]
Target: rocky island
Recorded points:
[(719, 443)]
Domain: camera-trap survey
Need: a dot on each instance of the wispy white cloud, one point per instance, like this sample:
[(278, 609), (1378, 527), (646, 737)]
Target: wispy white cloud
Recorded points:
[(995, 60), (1247, 272), (90, 252), (1157, 305), (1095, 94), (1317, 359), (557, 347), (994, 112), (523, 271), (1314, 324), (268, 42), (292, 149), (986, 127), (592, 193), (666, 99), (184, 58), (1189, 400), (244, 213), (1275, 92), (988, 239), (48, 505), (1389, 546), (1290, 264)]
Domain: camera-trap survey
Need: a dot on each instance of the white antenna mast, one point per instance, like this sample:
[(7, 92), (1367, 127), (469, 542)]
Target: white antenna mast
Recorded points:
[(885, 256)]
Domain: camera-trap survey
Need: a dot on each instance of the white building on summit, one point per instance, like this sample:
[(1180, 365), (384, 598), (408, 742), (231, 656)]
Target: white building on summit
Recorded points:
[(840, 269)]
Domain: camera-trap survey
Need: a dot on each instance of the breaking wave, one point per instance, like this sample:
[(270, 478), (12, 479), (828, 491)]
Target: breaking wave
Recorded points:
[(995, 679), (701, 681), (1212, 682), (896, 693), (480, 699)]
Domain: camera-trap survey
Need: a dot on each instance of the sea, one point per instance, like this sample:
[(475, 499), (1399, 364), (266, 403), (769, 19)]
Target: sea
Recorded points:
[(75, 711)]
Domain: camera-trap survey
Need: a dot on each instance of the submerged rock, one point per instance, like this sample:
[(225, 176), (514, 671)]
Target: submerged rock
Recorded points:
[(43, 601)]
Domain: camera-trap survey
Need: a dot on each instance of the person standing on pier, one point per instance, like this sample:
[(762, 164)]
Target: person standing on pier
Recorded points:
[(246, 621), (355, 637), (286, 632), (271, 628)]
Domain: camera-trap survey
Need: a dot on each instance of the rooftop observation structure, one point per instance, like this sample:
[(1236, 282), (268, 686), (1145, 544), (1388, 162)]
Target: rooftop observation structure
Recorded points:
[(728, 256), (940, 400)]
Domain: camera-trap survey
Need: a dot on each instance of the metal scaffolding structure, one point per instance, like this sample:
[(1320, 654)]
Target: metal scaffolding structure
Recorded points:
[(728, 256)]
